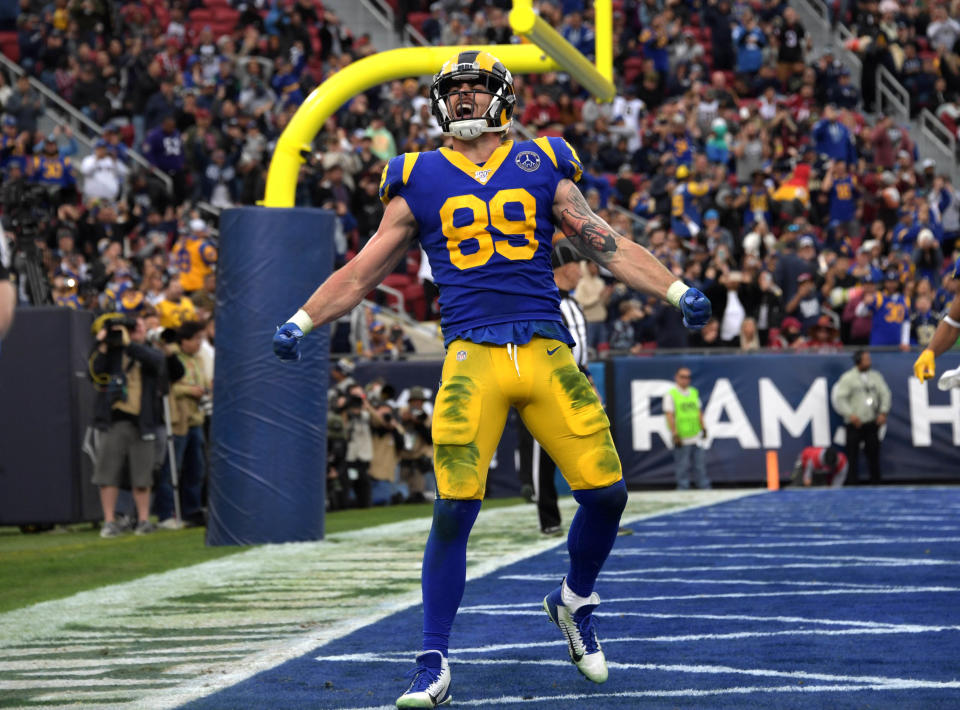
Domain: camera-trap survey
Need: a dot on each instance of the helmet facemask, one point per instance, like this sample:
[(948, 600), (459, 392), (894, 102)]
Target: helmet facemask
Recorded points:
[(469, 124)]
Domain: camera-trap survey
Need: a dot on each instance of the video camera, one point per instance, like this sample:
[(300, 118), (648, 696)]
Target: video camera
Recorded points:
[(29, 213)]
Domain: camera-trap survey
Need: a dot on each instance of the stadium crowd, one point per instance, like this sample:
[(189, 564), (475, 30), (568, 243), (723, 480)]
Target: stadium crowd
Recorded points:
[(738, 158)]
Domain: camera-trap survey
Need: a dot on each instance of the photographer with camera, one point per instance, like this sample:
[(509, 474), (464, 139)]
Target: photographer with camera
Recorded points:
[(358, 414), (127, 373), (387, 445), (416, 459), (190, 396)]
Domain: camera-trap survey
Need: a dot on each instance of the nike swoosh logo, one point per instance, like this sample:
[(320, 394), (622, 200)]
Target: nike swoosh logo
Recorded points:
[(551, 352)]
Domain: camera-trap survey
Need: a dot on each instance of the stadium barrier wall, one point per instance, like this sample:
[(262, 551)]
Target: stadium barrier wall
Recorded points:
[(268, 456), (780, 402), (46, 411), (753, 404)]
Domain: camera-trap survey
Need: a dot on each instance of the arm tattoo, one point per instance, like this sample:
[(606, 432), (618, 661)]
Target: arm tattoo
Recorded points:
[(590, 234)]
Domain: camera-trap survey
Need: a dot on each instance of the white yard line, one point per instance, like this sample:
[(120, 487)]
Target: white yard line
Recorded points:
[(268, 600)]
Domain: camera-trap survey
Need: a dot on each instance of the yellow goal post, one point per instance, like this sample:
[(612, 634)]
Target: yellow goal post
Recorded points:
[(546, 51)]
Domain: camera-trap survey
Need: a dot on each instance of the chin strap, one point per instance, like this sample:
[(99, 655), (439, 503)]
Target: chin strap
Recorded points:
[(472, 128)]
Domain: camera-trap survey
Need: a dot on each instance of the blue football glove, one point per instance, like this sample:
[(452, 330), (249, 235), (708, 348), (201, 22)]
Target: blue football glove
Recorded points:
[(696, 309), (286, 342)]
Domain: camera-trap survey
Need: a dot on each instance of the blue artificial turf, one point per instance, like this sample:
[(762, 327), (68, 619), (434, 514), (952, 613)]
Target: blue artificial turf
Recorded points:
[(798, 599)]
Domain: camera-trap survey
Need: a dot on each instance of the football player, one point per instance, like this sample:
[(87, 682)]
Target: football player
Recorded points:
[(485, 212), (943, 339)]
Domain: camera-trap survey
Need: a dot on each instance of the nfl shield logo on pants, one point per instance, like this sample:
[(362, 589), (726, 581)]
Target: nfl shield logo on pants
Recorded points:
[(461, 355)]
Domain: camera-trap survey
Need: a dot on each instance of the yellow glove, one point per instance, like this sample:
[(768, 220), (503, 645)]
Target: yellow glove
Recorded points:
[(924, 368)]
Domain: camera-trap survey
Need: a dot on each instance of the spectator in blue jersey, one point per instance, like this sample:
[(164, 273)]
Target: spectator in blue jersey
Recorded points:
[(832, 138), (579, 35), (890, 312), (50, 168), (685, 219), (111, 134), (927, 257), (749, 41), (164, 149), (656, 45), (841, 187), (923, 218)]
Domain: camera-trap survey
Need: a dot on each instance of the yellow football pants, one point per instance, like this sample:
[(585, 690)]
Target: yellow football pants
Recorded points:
[(555, 400)]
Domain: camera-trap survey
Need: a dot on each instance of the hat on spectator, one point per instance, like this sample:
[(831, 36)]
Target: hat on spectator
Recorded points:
[(683, 172), (101, 143), (711, 214), (903, 154), (563, 253), (418, 393), (344, 365), (202, 113), (50, 138), (790, 323), (9, 120), (889, 6), (804, 277), (198, 225), (806, 241), (891, 275), (925, 235), (928, 163), (868, 245)]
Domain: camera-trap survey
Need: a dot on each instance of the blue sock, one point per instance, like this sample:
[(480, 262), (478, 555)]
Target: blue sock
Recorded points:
[(445, 569), (592, 534)]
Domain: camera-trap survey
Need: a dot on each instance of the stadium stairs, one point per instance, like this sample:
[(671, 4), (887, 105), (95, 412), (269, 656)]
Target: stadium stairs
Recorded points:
[(934, 140), (58, 112)]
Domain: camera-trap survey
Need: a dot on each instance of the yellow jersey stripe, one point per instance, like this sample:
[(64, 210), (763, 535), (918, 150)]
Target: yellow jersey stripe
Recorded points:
[(409, 160), (545, 146)]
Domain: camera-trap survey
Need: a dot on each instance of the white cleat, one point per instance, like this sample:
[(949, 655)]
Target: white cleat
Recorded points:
[(580, 632), (430, 686), (949, 379)]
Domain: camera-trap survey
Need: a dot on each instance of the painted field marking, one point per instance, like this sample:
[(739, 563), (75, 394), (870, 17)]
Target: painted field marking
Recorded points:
[(219, 677), (882, 682), (554, 700)]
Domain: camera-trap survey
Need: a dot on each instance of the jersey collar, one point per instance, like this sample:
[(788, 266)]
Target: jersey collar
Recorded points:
[(483, 173)]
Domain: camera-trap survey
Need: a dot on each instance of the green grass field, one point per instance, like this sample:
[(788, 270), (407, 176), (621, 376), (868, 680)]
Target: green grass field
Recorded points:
[(56, 564)]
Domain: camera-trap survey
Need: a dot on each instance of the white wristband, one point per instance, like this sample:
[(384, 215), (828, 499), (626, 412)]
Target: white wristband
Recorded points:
[(302, 321), (675, 292), (950, 321)]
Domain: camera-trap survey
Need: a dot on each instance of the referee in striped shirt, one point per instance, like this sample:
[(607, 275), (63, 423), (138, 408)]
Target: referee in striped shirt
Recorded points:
[(536, 467)]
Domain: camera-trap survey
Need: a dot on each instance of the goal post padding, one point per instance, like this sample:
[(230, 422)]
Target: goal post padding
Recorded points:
[(268, 433)]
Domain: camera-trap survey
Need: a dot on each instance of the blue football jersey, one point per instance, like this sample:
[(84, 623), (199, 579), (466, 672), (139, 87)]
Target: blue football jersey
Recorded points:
[(487, 229), (889, 314)]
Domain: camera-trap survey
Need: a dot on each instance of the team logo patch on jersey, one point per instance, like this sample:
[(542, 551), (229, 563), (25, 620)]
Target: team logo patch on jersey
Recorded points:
[(461, 355), (528, 160), (482, 176)]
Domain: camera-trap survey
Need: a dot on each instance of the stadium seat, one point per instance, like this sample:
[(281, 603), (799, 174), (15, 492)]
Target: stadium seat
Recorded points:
[(417, 19), (415, 302), (201, 15), (10, 46)]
